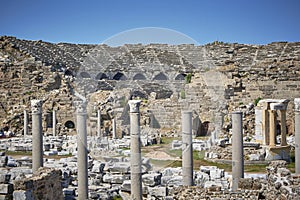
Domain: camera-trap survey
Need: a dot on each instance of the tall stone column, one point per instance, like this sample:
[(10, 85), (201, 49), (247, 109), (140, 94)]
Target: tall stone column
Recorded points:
[(265, 122), (297, 135), (114, 127), (37, 135), (272, 127), (99, 122), (135, 150), (237, 149), (187, 148), (25, 123), (82, 162), (283, 127), (54, 122)]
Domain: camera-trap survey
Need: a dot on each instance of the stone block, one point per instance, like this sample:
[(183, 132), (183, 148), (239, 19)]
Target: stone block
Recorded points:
[(158, 192), (120, 167), (22, 195), (5, 178), (116, 179), (6, 188), (151, 179)]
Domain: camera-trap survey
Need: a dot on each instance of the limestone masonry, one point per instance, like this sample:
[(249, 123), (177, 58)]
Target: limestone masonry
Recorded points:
[(86, 105), (223, 77)]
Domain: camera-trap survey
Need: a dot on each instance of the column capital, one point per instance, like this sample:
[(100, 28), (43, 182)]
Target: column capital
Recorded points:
[(134, 106), (36, 106), (80, 107), (297, 104)]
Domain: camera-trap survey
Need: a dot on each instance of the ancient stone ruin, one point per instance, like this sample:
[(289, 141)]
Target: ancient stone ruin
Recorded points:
[(87, 113)]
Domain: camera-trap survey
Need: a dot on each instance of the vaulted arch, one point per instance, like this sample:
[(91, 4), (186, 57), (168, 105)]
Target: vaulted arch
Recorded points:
[(119, 76), (101, 76), (160, 77), (180, 77), (85, 75), (139, 77)]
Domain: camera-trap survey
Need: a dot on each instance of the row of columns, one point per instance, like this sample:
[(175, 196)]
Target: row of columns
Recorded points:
[(26, 121), (54, 123), (135, 160)]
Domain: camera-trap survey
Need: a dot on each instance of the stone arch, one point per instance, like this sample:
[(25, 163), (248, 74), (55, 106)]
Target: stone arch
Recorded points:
[(180, 77), (160, 77), (69, 124), (119, 77), (68, 73), (85, 75), (101, 76), (204, 129), (139, 76)]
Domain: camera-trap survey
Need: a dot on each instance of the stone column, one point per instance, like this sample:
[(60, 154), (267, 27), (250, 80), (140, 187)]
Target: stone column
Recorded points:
[(37, 135), (283, 127), (297, 135), (272, 127), (54, 122), (99, 123), (237, 149), (25, 123), (82, 162), (135, 150), (187, 148), (114, 127), (265, 122)]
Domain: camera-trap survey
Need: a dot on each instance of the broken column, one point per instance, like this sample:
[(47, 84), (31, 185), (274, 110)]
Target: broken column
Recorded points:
[(82, 162), (187, 148), (99, 122), (114, 127), (237, 149), (25, 123), (135, 150), (37, 135), (54, 122), (297, 135)]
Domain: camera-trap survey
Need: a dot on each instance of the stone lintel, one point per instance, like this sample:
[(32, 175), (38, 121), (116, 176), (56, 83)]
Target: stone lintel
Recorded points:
[(278, 106)]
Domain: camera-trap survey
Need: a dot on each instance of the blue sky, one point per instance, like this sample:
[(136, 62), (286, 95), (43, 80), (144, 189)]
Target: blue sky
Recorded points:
[(94, 21)]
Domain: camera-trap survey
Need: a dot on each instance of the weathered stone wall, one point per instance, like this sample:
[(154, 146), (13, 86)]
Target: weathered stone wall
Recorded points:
[(45, 184), (225, 76)]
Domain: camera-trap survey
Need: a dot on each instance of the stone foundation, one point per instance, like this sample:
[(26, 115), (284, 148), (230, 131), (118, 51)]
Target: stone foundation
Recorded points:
[(45, 184)]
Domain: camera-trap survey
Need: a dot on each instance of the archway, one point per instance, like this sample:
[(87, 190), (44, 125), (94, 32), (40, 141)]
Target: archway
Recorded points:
[(68, 73), (69, 124), (160, 77), (139, 77), (180, 77), (85, 75), (101, 76), (119, 76)]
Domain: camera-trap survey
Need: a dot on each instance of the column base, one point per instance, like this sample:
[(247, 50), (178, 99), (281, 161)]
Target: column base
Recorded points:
[(278, 153)]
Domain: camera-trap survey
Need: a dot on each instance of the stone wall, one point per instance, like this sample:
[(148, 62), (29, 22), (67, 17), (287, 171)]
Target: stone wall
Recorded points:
[(45, 184), (224, 77)]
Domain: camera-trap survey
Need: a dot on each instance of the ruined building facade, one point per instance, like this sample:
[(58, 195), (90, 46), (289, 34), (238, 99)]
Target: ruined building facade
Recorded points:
[(211, 80)]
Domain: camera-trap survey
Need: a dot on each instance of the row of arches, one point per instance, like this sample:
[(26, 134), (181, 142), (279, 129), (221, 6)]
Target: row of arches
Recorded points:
[(139, 76)]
